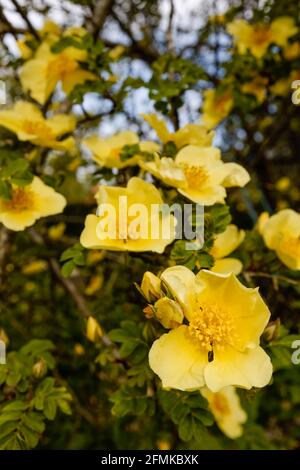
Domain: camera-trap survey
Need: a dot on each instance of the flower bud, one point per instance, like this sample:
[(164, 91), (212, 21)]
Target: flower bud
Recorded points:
[(150, 287), (168, 312), (39, 369), (93, 330)]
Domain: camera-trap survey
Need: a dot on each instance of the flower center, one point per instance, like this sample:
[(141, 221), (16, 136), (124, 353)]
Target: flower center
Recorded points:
[(219, 403), (37, 128), (61, 66), (195, 175), (222, 102), (212, 328), (261, 35), (22, 199), (115, 153), (290, 246)]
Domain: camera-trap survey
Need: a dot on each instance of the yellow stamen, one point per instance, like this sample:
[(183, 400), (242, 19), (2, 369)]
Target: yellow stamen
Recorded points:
[(195, 175), (61, 66), (22, 199), (212, 328), (37, 128), (261, 35)]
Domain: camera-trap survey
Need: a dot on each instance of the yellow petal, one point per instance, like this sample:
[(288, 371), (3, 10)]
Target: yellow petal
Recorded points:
[(248, 369), (35, 76), (227, 266), (180, 281), (176, 360), (159, 126), (226, 408), (47, 200), (227, 241), (207, 196), (236, 175), (243, 305), (193, 134), (18, 221), (77, 77), (61, 124), (282, 29), (168, 312)]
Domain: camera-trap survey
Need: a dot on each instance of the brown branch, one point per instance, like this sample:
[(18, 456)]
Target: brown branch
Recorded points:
[(22, 13), (145, 51), (71, 289), (274, 277), (99, 15)]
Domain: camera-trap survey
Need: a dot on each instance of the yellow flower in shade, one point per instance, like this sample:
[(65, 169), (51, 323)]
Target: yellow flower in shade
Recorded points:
[(129, 220), (93, 330), (28, 123), (198, 173), (292, 51), (226, 407), (191, 134), (281, 232), (224, 244), (257, 88), (284, 86), (40, 75), (220, 344), (30, 203), (107, 152), (261, 222), (258, 37), (216, 106)]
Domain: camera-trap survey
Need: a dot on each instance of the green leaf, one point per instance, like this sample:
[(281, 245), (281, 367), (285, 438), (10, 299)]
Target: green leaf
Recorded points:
[(5, 190)]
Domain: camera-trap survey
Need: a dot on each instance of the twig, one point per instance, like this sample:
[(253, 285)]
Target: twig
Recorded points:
[(273, 277), (169, 35), (71, 289), (99, 14), (23, 14)]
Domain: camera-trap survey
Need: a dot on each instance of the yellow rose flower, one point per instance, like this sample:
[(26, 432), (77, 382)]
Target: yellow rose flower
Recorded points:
[(35, 267), (284, 86), (30, 203), (281, 232), (106, 152), (292, 51), (224, 244), (258, 37), (198, 173), (226, 407), (257, 88), (220, 344), (191, 134), (28, 123), (40, 75), (134, 228), (216, 106)]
